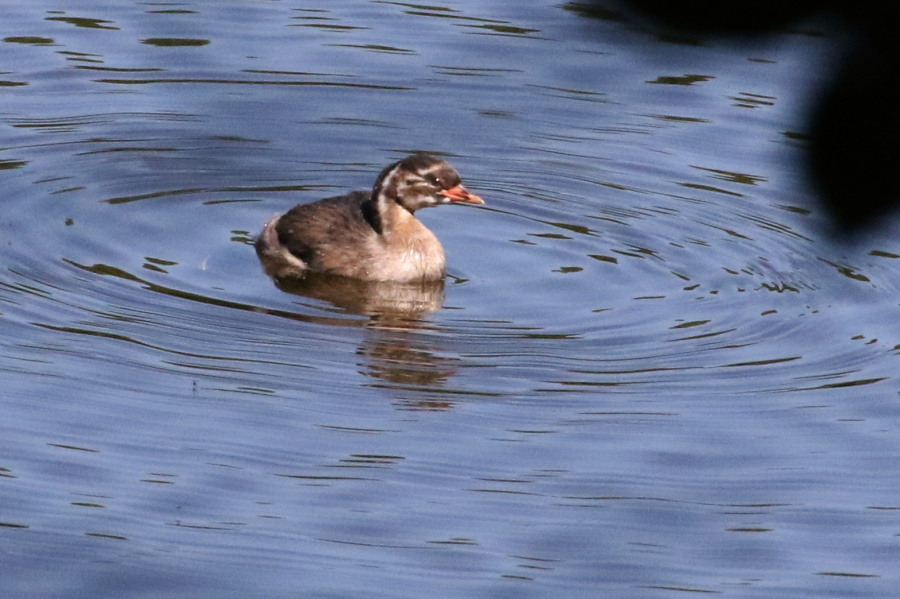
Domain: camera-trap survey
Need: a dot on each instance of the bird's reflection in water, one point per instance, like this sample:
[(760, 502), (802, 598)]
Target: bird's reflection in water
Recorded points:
[(389, 304), (395, 351)]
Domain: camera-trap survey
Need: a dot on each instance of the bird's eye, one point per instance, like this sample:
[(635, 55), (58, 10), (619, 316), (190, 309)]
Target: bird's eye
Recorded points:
[(434, 180)]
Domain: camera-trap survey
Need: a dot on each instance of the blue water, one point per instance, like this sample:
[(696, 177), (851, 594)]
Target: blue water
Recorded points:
[(651, 372)]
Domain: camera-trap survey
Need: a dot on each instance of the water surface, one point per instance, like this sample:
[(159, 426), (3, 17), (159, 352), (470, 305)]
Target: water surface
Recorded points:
[(651, 372)]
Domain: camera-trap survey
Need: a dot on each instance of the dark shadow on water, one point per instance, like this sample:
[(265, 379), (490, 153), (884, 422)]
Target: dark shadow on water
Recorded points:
[(852, 127)]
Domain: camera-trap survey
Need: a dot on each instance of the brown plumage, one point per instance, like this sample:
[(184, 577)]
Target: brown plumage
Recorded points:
[(373, 235)]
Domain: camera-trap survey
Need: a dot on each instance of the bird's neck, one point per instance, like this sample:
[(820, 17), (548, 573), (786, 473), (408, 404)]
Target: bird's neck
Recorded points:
[(385, 214)]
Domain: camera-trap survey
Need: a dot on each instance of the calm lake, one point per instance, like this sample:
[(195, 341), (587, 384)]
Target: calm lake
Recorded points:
[(652, 371)]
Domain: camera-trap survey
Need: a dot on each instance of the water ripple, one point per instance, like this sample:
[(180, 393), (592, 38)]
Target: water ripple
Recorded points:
[(647, 347)]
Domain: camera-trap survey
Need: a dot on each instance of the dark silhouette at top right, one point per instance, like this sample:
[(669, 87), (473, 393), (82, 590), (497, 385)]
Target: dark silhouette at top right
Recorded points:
[(855, 126)]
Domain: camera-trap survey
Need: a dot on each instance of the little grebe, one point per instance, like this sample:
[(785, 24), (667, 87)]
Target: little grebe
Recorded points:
[(368, 235)]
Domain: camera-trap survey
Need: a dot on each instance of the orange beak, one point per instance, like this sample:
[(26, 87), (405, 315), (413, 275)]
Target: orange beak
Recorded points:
[(461, 194)]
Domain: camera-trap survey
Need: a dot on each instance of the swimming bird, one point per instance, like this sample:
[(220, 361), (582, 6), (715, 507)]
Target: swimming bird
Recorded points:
[(369, 235)]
